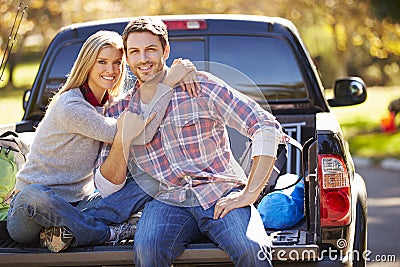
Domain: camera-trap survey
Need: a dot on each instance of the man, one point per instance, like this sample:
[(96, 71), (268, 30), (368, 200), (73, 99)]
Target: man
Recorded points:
[(201, 190)]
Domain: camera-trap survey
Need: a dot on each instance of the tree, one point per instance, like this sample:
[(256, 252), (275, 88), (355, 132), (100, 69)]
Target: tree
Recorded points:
[(40, 21), (8, 35), (388, 9), (344, 34), (349, 39)]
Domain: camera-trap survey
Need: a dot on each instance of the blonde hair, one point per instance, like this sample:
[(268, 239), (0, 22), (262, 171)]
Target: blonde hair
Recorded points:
[(87, 58)]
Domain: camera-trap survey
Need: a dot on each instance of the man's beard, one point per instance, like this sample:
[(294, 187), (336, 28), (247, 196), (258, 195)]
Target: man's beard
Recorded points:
[(150, 78), (155, 78)]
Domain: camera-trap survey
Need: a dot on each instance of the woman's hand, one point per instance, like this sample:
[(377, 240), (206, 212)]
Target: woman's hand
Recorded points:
[(179, 69), (130, 125), (184, 73), (190, 83)]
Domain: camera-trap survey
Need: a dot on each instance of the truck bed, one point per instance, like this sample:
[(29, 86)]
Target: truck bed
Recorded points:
[(299, 238), (16, 254)]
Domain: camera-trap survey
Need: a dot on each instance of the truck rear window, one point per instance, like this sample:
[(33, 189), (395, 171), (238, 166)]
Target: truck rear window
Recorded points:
[(268, 62), (263, 68)]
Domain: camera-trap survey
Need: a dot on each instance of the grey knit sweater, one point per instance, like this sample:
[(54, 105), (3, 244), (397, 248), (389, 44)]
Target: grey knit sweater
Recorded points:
[(66, 146)]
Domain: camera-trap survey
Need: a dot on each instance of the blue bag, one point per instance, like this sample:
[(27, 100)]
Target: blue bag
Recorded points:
[(283, 209)]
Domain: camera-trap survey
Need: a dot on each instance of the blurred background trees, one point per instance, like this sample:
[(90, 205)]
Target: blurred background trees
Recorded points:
[(345, 37)]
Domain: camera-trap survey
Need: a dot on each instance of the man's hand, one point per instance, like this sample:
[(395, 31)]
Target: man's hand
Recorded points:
[(232, 201), (259, 174)]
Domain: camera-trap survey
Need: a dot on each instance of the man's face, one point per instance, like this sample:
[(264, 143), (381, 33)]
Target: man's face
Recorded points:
[(145, 55)]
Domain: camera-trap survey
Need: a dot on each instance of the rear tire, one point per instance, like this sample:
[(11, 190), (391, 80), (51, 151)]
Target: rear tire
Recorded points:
[(360, 239)]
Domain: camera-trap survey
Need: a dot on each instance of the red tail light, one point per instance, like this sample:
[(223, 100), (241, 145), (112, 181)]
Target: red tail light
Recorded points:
[(186, 24), (335, 197)]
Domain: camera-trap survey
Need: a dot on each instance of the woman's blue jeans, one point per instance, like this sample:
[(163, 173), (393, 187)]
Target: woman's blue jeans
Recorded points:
[(37, 206), (164, 230)]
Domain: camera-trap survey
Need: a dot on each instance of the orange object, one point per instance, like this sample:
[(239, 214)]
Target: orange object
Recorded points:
[(388, 123)]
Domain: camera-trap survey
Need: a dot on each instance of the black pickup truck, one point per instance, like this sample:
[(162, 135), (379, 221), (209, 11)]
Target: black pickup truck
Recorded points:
[(284, 79)]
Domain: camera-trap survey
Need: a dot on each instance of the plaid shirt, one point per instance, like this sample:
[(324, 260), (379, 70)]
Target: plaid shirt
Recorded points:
[(191, 149)]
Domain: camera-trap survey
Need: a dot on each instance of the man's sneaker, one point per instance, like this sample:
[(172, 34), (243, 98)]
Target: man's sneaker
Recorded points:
[(124, 231), (55, 238)]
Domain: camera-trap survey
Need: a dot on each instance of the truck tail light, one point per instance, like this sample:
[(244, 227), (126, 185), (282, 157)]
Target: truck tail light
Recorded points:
[(186, 24), (335, 199)]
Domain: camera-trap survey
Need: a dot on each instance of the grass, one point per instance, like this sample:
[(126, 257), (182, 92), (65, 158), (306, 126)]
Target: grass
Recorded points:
[(25, 74), (11, 109), (382, 146), (360, 123)]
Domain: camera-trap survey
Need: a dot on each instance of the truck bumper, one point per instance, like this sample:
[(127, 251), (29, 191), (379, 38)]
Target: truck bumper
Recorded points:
[(197, 254)]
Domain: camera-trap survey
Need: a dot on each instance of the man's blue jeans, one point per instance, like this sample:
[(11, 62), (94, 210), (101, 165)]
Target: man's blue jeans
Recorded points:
[(37, 206), (164, 230)]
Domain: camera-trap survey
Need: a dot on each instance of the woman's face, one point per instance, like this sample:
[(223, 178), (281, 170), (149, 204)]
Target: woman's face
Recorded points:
[(106, 71)]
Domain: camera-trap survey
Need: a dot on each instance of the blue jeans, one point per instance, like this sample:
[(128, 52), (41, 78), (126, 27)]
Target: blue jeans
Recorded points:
[(164, 230), (37, 206)]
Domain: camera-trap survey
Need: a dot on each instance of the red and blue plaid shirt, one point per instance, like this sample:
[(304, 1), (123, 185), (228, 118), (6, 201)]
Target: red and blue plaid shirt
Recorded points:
[(191, 149)]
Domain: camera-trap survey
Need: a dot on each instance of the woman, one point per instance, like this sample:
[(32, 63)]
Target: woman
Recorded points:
[(58, 173)]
